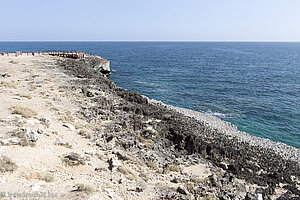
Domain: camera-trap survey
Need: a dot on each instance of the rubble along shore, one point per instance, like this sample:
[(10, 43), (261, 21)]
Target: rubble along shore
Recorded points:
[(66, 128), (185, 133)]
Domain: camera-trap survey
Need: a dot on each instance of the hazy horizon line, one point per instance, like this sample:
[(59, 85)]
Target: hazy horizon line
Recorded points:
[(149, 41)]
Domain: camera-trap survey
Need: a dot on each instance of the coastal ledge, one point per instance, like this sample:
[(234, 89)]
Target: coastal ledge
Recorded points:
[(99, 63), (128, 145), (273, 166)]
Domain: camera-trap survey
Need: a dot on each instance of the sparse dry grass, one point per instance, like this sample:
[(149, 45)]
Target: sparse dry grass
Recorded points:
[(147, 142), (84, 188), (13, 62), (67, 119), (47, 177), (11, 84), (47, 125), (123, 170), (89, 125), (67, 145), (208, 197), (173, 168), (144, 176), (23, 139), (32, 87), (7, 165), (62, 90), (72, 162), (108, 185), (78, 125), (33, 175), (127, 172), (25, 96), (136, 161), (84, 133), (101, 156), (24, 111), (152, 165), (54, 108)]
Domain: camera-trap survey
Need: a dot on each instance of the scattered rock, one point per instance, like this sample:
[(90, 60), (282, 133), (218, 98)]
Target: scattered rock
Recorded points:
[(13, 62), (110, 192), (40, 131), (214, 180), (140, 187), (172, 193), (32, 121), (69, 126), (182, 190), (73, 159), (122, 179), (35, 187), (17, 98), (45, 120), (180, 179), (73, 156), (251, 196), (85, 157), (122, 155), (113, 164), (100, 169), (259, 196), (80, 76), (2, 181), (10, 141), (90, 153), (89, 94), (61, 142), (6, 75), (32, 136)]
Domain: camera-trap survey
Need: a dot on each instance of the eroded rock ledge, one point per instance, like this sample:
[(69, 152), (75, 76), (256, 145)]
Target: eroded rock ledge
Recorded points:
[(166, 135)]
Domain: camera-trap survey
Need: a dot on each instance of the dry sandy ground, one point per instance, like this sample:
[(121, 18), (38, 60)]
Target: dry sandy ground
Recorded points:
[(35, 95)]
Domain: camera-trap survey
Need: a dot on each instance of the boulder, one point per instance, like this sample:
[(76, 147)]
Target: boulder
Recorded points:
[(69, 126), (32, 136), (182, 190), (10, 141)]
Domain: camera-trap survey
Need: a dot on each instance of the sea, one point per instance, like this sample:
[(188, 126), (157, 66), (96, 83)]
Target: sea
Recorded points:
[(253, 85)]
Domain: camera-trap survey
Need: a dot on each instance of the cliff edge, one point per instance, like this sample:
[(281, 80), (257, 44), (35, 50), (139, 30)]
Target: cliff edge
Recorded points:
[(69, 132)]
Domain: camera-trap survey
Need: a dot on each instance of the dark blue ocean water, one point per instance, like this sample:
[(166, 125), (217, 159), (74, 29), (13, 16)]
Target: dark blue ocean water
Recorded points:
[(256, 86)]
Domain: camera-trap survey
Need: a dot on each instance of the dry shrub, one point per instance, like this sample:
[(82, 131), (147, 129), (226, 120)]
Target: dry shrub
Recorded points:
[(24, 111), (173, 168), (152, 165), (7, 165), (25, 96), (11, 84), (84, 188), (47, 177), (85, 133), (128, 173)]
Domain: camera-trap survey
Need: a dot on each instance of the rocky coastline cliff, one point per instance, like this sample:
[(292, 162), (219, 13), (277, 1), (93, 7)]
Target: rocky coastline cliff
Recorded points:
[(180, 137), (128, 146)]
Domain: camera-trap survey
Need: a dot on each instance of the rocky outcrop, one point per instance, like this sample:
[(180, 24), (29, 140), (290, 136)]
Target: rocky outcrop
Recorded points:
[(162, 136), (98, 63)]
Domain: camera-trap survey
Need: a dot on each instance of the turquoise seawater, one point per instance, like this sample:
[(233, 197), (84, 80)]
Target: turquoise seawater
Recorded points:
[(255, 86)]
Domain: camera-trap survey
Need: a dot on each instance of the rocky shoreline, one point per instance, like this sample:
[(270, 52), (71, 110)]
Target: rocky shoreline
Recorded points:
[(68, 131), (184, 136)]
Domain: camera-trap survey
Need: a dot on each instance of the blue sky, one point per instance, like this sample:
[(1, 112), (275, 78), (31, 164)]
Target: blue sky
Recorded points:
[(109, 20)]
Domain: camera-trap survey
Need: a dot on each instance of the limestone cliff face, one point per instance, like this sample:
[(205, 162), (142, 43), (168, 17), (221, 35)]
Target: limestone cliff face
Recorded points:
[(99, 63)]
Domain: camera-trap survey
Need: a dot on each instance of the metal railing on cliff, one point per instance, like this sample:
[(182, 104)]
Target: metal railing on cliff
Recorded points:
[(61, 53)]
